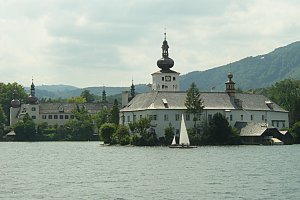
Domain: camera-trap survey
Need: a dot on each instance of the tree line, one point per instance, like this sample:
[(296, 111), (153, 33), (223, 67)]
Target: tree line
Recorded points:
[(285, 93)]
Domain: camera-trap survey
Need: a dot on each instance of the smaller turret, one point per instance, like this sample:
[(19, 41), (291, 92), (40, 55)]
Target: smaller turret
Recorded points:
[(230, 89), (104, 95), (132, 91), (32, 99)]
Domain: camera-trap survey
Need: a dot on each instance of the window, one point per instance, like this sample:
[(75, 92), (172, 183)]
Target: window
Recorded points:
[(166, 117), (128, 118), (230, 117), (174, 78), (187, 117), (272, 123), (33, 109), (242, 117), (49, 116), (134, 118), (209, 117), (33, 117), (277, 124), (66, 116), (251, 117), (61, 117), (55, 116), (263, 118), (177, 117), (44, 117), (153, 117), (162, 78)]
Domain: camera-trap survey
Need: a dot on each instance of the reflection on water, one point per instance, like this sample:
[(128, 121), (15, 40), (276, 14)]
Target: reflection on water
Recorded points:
[(87, 170)]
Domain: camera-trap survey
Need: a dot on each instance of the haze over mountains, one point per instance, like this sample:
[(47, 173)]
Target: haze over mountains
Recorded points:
[(249, 73)]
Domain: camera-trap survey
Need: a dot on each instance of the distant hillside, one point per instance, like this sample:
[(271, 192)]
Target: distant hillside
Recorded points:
[(66, 91), (251, 72)]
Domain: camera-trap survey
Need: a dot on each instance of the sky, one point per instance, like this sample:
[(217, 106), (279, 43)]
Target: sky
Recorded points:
[(112, 42)]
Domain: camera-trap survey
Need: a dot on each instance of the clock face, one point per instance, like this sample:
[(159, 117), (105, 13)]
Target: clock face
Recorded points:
[(168, 78)]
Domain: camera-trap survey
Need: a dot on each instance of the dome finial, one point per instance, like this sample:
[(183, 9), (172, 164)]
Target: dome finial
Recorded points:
[(165, 63)]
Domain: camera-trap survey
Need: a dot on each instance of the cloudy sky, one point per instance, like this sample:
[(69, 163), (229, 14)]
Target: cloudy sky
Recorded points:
[(110, 42)]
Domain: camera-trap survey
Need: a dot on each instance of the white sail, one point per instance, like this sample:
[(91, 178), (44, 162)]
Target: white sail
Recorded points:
[(174, 141), (183, 137)]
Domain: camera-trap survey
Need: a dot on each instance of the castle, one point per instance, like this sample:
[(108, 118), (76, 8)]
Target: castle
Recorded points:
[(165, 104)]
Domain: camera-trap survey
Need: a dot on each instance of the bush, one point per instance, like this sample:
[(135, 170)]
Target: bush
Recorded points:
[(106, 132)]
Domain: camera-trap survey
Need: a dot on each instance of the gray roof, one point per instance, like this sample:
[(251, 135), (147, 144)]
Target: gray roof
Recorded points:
[(251, 129), (211, 100), (255, 129), (48, 108)]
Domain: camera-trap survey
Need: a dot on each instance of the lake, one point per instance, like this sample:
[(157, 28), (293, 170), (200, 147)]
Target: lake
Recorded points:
[(88, 170)]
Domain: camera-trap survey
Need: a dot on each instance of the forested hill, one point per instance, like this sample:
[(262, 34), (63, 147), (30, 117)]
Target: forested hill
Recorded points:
[(251, 72)]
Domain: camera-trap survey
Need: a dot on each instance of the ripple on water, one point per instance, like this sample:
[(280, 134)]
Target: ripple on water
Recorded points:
[(87, 170)]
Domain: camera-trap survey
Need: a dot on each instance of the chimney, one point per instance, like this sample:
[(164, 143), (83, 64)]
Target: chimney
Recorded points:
[(124, 98)]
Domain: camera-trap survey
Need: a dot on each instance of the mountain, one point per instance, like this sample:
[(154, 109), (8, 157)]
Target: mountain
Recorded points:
[(251, 72), (67, 91)]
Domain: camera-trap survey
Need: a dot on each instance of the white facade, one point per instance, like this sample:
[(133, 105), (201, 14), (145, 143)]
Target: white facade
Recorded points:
[(51, 113), (165, 104)]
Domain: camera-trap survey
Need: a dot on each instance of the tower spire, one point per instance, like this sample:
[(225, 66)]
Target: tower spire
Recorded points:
[(165, 63), (230, 89)]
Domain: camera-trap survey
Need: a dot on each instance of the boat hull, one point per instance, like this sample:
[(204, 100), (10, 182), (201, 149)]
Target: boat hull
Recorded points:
[(182, 146)]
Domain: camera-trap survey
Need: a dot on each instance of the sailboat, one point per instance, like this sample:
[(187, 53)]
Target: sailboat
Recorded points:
[(184, 141)]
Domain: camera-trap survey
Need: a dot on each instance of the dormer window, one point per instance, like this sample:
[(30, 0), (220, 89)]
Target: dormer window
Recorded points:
[(61, 108)]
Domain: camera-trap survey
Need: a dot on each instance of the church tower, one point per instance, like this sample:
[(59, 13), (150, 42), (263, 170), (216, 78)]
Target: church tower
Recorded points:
[(32, 99), (230, 89), (165, 79)]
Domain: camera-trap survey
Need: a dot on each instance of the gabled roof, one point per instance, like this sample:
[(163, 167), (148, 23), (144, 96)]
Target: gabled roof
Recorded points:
[(211, 100), (92, 108), (251, 129)]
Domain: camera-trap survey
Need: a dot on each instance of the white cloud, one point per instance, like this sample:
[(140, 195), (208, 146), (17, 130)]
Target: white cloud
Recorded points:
[(106, 42)]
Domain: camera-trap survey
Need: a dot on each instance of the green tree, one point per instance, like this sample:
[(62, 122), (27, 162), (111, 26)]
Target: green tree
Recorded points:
[(122, 135), (81, 127), (25, 129), (106, 132), (103, 116), (296, 132), (3, 118), (169, 134), (74, 100), (219, 132), (6, 95), (194, 103), (115, 113), (147, 134), (286, 93), (88, 96)]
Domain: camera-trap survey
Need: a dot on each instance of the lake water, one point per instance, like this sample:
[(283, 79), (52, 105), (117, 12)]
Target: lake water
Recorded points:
[(87, 170)]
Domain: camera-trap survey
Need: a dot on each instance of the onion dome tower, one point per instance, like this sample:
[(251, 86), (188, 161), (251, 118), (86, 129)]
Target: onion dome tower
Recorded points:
[(15, 103), (230, 89), (32, 99), (165, 63), (165, 79)]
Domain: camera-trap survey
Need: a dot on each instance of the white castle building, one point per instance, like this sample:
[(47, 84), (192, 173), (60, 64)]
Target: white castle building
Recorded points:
[(52, 113), (166, 103)]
